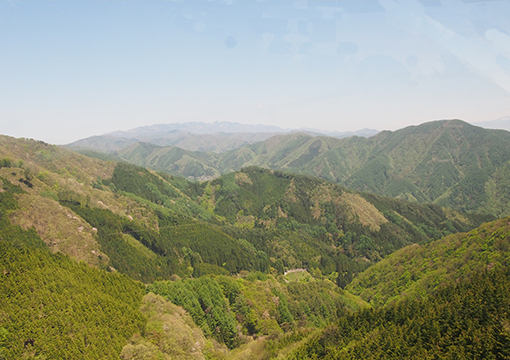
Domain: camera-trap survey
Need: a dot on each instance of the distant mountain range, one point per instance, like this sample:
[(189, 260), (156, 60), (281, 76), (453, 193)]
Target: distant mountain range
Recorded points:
[(216, 137), (502, 123)]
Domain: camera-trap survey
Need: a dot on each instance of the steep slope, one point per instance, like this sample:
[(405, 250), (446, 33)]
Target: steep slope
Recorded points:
[(468, 320), (417, 270), (74, 213), (52, 307), (448, 298), (233, 310), (450, 163), (190, 164), (170, 333), (118, 217), (121, 216)]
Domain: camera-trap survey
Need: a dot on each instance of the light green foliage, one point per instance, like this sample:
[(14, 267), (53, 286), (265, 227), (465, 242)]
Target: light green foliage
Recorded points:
[(174, 160), (417, 270), (54, 307), (203, 299), (468, 320), (220, 305), (255, 223)]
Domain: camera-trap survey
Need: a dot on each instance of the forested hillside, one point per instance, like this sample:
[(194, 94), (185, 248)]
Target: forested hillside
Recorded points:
[(417, 270), (468, 320), (121, 216), (447, 299), (283, 221), (450, 163), (217, 137), (253, 264)]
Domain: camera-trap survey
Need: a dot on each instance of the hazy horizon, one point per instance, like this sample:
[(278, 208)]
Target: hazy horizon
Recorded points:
[(76, 69)]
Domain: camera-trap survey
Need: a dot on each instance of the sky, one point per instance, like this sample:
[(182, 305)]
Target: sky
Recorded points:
[(73, 69)]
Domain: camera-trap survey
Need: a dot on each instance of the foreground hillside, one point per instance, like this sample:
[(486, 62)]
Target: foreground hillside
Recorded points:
[(51, 306), (468, 320), (417, 270), (450, 163), (445, 299)]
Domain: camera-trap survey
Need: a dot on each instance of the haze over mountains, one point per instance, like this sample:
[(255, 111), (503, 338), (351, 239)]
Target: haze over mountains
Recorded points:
[(211, 239), (502, 123), (196, 136)]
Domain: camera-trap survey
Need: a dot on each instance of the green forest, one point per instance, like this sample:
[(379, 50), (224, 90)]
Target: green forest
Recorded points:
[(102, 259)]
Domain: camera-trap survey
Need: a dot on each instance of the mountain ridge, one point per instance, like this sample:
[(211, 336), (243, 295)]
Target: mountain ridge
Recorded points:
[(216, 137), (449, 162)]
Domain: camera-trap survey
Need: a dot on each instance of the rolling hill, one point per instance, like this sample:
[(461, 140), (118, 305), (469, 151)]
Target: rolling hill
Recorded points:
[(418, 270)]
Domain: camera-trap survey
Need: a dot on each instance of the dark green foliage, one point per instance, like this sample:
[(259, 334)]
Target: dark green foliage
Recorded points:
[(431, 219), (211, 251), (159, 189), (465, 321), (284, 317), (139, 181), (54, 308), (315, 222), (5, 162), (291, 249), (219, 304), (214, 246), (124, 256), (314, 232), (203, 299)]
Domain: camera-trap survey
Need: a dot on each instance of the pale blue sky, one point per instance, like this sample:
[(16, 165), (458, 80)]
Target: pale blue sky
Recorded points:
[(72, 69)]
